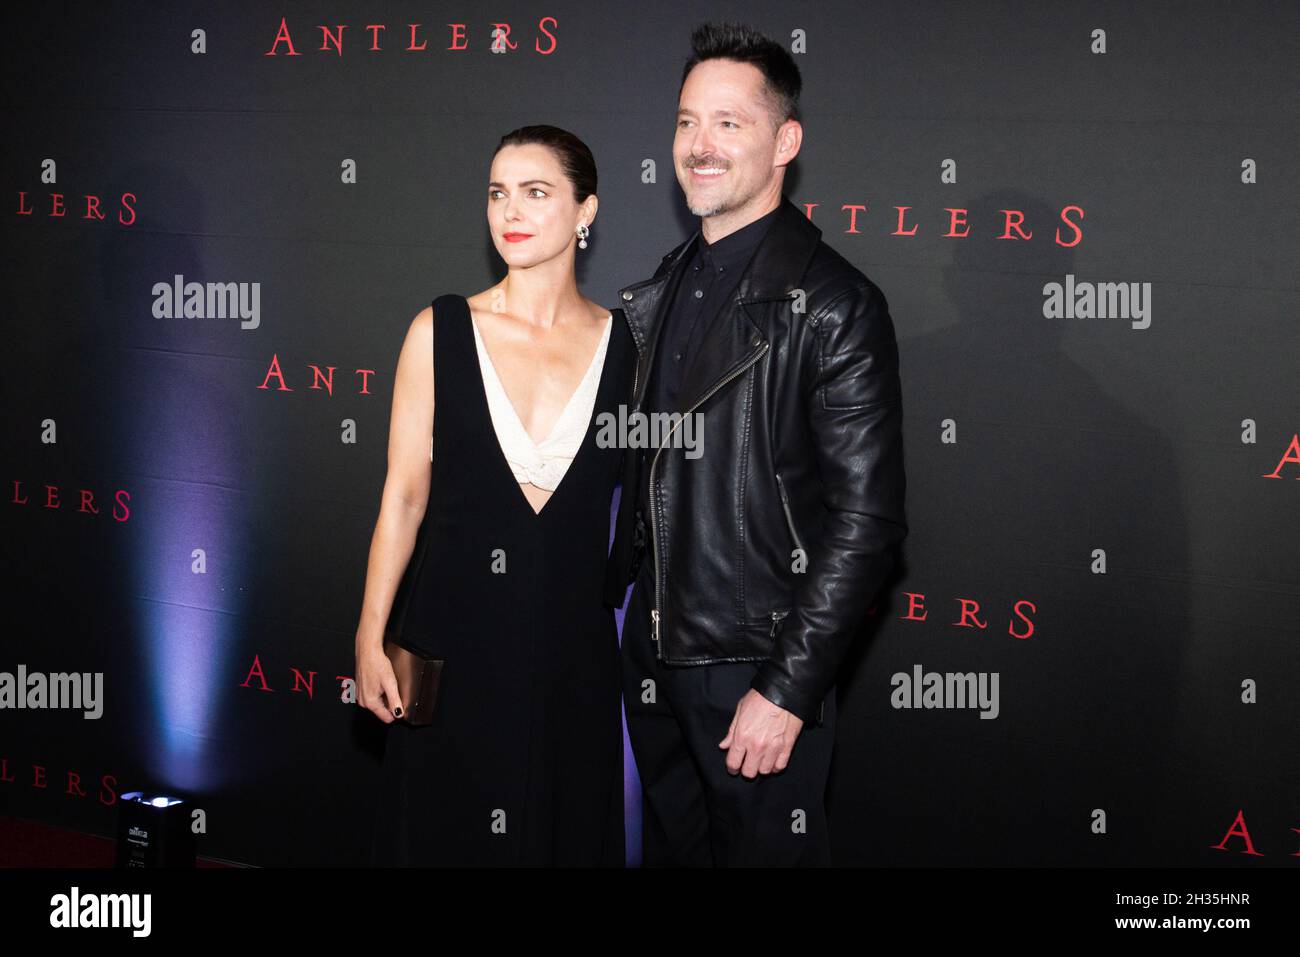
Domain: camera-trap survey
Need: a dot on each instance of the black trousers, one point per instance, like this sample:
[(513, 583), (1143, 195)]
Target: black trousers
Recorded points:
[(696, 813)]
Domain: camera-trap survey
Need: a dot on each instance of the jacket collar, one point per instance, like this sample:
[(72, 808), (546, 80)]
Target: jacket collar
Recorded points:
[(776, 268)]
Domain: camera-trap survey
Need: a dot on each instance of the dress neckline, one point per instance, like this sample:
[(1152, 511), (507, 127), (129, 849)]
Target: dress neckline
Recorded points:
[(595, 367)]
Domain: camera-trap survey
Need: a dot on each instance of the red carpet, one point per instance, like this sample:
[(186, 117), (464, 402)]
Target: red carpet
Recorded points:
[(26, 843)]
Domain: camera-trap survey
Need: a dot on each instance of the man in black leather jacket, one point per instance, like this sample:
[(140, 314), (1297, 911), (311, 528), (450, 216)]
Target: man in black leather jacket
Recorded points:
[(757, 558)]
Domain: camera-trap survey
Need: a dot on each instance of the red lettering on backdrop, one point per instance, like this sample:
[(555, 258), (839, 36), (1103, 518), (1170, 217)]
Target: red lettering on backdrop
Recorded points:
[(275, 371), (1291, 455), (1243, 833), (87, 500), (332, 37), (282, 34), (913, 605), (299, 682), (93, 211), (326, 36), (1019, 614), (502, 39), (902, 212), (74, 782), (853, 216), (317, 378), (256, 670), (961, 622), (1008, 225), (1078, 233), (1013, 219), (541, 26), (969, 611)]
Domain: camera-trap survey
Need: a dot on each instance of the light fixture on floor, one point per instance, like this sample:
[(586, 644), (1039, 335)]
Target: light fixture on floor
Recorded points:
[(153, 830)]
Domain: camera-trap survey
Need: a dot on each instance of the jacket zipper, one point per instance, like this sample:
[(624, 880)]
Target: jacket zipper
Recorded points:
[(789, 519), (654, 502), (636, 376), (777, 618)]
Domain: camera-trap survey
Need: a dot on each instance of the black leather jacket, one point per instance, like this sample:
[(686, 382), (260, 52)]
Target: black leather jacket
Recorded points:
[(802, 455)]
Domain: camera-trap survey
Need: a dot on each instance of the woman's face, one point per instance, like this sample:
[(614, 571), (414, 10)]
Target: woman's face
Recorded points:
[(530, 207)]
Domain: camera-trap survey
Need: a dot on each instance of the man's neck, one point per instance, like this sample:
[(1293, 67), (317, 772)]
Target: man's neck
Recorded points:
[(714, 228)]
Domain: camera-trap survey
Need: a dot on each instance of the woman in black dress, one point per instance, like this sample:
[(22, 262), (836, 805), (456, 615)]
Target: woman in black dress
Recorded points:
[(522, 764)]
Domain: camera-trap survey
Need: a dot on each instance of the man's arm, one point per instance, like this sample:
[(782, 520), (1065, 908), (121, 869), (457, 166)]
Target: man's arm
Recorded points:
[(855, 413)]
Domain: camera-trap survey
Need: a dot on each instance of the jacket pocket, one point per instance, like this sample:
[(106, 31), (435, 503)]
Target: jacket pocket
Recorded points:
[(789, 518)]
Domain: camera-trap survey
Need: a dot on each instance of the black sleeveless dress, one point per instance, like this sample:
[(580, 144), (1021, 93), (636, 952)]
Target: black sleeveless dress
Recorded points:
[(523, 764)]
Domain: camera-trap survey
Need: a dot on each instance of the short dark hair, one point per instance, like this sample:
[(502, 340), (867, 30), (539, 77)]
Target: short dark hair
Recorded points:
[(738, 41), (576, 161)]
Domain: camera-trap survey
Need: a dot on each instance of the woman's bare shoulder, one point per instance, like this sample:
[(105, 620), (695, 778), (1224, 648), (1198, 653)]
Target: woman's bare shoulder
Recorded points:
[(419, 334), (418, 341)]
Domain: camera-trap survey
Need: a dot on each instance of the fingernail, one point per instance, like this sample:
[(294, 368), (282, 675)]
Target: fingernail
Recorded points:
[(397, 712)]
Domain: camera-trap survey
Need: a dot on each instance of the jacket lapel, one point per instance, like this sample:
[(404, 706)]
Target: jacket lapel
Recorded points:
[(736, 334), (644, 305)]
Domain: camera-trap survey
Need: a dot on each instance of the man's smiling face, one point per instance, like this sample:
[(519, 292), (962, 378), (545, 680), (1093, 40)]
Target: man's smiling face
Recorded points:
[(725, 146)]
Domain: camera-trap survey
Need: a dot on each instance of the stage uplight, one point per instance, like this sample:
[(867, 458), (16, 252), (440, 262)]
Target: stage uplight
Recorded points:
[(153, 830)]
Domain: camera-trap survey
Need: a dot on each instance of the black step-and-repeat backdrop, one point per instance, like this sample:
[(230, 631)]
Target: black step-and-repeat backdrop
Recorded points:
[(222, 219)]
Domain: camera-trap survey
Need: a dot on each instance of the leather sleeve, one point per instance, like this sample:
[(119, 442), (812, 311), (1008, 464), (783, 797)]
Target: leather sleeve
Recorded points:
[(849, 364), (628, 548), (624, 554)]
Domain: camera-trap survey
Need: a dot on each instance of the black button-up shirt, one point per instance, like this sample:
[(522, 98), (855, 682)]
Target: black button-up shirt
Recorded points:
[(707, 285)]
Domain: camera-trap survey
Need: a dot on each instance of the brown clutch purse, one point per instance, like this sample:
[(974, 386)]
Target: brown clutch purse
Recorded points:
[(417, 680), (418, 675)]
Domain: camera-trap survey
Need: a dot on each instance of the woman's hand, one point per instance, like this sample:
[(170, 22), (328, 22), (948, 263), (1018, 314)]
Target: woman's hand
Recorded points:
[(377, 684)]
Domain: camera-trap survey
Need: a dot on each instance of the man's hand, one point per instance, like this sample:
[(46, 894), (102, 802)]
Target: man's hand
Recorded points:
[(761, 736)]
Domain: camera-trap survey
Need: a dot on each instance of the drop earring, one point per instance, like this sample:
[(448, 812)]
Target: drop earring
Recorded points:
[(583, 232)]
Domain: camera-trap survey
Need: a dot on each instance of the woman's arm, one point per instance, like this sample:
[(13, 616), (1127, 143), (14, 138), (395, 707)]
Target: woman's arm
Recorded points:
[(401, 510)]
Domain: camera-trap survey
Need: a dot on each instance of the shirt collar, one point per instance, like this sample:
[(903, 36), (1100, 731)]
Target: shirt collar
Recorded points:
[(734, 249)]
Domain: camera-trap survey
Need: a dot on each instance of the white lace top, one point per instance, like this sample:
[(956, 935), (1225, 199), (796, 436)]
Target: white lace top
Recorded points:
[(542, 464)]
